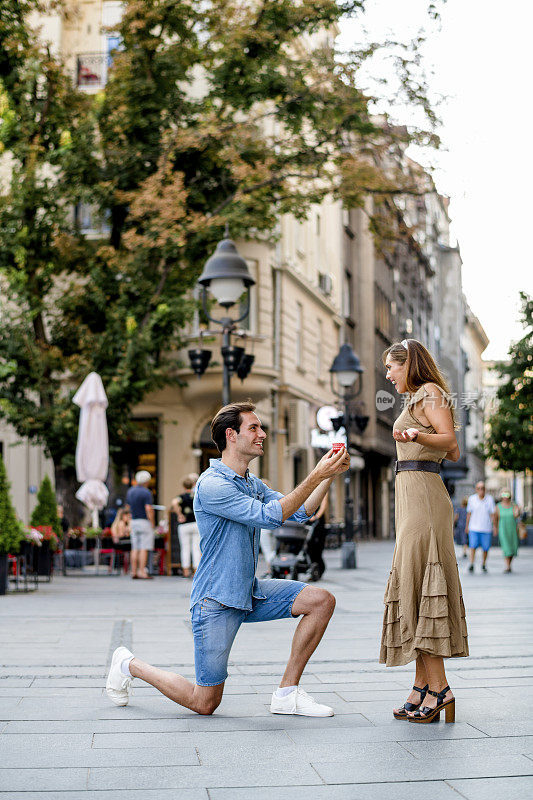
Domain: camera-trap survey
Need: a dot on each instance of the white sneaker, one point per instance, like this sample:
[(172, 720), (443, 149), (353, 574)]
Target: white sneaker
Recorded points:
[(299, 702), (118, 685)]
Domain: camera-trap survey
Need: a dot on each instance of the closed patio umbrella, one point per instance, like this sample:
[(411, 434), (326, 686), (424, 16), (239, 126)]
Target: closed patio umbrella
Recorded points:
[(92, 450)]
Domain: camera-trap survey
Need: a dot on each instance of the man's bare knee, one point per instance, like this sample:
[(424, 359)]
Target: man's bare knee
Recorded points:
[(207, 707), (328, 603), (324, 602)]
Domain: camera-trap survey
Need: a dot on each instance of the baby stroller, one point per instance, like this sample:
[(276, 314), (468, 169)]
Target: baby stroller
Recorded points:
[(299, 551)]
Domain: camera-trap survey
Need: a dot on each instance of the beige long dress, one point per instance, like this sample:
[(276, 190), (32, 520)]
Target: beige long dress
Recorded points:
[(424, 610)]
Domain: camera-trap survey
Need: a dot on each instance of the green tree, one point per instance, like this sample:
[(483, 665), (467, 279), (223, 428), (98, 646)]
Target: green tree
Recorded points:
[(45, 512), (10, 527), (510, 439), (213, 113)]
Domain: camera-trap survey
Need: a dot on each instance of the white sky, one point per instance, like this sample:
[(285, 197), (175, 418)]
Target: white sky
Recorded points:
[(481, 60)]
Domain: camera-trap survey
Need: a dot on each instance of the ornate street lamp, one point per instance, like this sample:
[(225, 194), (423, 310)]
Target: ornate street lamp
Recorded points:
[(226, 277), (347, 369)]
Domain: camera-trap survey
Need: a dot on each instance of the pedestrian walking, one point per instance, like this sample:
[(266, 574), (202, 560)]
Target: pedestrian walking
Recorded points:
[(506, 518), (424, 616), (231, 506), (480, 521), (460, 526), (188, 532), (141, 502)]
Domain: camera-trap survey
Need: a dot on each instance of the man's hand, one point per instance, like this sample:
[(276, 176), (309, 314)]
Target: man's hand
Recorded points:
[(332, 464)]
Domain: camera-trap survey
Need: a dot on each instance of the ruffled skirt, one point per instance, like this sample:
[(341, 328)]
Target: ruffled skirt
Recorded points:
[(424, 609)]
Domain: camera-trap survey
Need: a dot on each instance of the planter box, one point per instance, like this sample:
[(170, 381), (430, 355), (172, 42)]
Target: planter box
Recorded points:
[(3, 573), (42, 560)]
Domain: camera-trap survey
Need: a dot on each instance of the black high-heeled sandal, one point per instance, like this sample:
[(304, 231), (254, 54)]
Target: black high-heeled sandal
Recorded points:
[(427, 714), (402, 712)]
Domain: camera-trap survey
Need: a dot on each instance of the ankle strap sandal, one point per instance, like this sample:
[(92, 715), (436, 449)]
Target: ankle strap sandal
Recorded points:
[(427, 714), (402, 712)]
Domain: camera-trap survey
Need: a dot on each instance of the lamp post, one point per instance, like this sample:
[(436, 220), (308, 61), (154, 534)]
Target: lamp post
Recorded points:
[(226, 276), (347, 367)]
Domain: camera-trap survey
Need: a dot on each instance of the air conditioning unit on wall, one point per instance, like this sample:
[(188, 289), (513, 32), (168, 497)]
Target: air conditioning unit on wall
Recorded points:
[(298, 429)]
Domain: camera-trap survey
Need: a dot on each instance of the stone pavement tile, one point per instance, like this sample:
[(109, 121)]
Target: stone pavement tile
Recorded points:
[(390, 770), (42, 780), (75, 756), (177, 777), (33, 742), (220, 753), (364, 677), (9, 706), (518, 727), (436, 790), (164, 740), (477, 748), (495, 788), (396, 731), (68, 695), (509, 692), (496, 683), (15, 682), (70, 681), (129, 794), (98, 726), (274, 722)]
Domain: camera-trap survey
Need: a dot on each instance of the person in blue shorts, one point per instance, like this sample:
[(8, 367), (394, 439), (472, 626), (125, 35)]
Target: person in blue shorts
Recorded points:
[(231, 507), (480, 516)]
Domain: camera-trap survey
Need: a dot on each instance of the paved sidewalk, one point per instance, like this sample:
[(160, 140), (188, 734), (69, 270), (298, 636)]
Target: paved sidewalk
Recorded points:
[(61, 738)]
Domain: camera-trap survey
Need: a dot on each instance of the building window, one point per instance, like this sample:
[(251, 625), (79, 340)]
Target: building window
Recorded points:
[(319, 346), (299, 335), (347, 295), (91, 222), (383, 313)]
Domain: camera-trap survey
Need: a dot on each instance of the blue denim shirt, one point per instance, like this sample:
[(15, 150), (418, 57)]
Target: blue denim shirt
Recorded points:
[(230, 511)]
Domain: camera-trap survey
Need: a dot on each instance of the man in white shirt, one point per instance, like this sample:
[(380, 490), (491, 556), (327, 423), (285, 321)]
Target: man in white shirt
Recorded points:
[(480, 515)]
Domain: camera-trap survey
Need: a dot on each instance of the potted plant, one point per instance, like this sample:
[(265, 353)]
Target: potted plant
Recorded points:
[(44, 519), (42, 563), (45, 512), (10, 528)]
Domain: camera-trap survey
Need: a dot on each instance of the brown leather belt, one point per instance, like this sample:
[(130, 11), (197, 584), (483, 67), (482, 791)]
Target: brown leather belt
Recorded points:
[(422, 466)]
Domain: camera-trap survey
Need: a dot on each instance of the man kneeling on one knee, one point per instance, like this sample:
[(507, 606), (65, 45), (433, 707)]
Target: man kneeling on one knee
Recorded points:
[(231, 506)]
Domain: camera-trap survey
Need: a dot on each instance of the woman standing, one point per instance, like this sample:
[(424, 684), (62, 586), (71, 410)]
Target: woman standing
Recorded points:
[(188, 533), (424, 618), (506, 518)]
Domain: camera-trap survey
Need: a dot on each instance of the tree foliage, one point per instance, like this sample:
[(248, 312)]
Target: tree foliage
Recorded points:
[(510, 440), (213, 113), (45, 512), (10, 527)]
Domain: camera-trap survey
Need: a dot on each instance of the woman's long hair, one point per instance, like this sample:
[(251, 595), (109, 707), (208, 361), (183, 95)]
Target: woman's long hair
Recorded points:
[(421, 368), (118, 519)]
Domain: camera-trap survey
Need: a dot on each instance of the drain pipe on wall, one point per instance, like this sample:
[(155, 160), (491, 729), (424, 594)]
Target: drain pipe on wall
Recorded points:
[(276, 355)]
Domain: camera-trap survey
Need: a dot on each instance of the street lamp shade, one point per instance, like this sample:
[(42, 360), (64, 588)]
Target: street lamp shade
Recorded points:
[(226, 274), (346, 366)]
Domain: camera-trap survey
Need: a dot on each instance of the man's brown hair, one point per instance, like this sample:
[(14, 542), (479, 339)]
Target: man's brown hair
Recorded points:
[(228, 417)]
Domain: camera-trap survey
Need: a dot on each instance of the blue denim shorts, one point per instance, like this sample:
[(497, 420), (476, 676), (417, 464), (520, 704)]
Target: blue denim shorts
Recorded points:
[(215, 626), (479, 539)]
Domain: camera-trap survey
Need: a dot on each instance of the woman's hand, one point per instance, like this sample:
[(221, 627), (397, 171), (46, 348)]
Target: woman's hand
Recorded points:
[(408, 435)]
